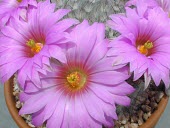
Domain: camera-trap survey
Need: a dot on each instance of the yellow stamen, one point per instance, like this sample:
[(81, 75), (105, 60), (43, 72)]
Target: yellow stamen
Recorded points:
[(35, 47), (148, 45), (31, 43), (144, 49), (19, 1), (73, 79)]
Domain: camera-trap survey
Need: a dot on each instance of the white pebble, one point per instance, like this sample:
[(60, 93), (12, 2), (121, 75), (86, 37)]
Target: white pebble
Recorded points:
[(31, 125), (18, 104)]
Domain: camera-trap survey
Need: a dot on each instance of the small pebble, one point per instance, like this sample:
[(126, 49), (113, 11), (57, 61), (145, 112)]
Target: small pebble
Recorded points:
[(16, 98), (121, 117), (146, 108), (145, 94), (117, 124), (127, 125), (122, 127), (147, 102), (133, 125), (137, 104), (153, 105), (140, 121), (16, 93), (31, 125), (159, 96), (18, 104), (152, 99), (134, 119), (124, 121), (141, 99), (145, 116), (28, 117), (140, 113), (152, 93), (149, 114)]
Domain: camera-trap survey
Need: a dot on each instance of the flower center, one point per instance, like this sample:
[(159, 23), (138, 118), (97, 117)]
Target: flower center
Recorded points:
[(35, 47), (144, 49), (76, 80), (19, 1)]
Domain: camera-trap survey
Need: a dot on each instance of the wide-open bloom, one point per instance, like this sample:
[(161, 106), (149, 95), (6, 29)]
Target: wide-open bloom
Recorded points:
[(10, 8), (82, 92), (27, 46), (144, 43)]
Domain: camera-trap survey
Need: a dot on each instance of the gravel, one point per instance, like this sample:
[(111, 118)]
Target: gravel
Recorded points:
[(143, 104)]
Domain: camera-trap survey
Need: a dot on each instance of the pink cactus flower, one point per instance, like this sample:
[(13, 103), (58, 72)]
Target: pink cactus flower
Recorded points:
[(143, 43), (82, 92), (25, 47)]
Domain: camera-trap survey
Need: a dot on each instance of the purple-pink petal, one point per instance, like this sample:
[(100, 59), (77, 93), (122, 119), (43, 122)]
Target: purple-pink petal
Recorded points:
[(108, 77)]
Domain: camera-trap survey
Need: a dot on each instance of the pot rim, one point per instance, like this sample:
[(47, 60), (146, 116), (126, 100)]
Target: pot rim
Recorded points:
[(10, 101)]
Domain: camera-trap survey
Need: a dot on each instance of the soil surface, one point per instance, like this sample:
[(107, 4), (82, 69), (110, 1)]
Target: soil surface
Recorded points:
[(143, 103)]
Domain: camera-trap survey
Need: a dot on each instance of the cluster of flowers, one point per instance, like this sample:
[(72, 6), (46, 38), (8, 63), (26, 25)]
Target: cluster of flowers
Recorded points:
[(70, 74)]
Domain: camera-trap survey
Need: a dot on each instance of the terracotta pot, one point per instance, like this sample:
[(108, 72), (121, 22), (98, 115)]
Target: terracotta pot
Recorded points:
[(10, 101)]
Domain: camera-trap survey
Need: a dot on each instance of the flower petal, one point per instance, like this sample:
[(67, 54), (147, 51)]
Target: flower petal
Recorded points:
[(113, 77)]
